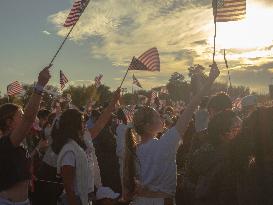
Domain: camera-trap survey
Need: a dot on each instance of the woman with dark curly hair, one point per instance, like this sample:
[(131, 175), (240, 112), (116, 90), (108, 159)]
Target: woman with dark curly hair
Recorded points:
[(254, 158), (210, 178)]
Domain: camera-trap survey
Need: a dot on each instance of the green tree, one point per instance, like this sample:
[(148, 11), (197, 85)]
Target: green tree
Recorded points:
[(178, 88)]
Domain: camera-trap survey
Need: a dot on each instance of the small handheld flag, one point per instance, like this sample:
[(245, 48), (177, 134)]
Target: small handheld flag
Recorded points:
[(75, 12), (98, 80), (129, 113), (14, 88), (154, 95), (63, 80), (164, 90), (229, 10), (136, 82), (147, 61)]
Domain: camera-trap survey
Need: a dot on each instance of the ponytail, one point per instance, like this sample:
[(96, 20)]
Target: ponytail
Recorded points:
[(129, 168)]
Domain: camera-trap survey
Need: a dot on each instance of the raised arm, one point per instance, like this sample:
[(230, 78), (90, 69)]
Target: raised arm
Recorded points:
[(186, 116), (20, 132), (105, 116)]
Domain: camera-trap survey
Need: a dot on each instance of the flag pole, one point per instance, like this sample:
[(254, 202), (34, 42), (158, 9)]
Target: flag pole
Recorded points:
[(215, 5), (229, 77), (124, 77), (68, 34)]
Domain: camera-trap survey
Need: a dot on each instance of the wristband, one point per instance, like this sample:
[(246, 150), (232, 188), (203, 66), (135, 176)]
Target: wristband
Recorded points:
[(39, 89)]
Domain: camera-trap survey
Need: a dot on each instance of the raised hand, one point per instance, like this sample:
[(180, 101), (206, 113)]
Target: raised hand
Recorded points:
[(214, 72), (116, 95), (44, 76)]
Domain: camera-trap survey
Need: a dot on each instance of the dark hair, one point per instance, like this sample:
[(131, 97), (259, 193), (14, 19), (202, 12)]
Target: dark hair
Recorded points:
[(258, 129), (51, 118), (95, 114), (253, 154), (121, 116), (204, 102), (220, 102), (69, 126), (43, 113), (7, 111), (219, 125)]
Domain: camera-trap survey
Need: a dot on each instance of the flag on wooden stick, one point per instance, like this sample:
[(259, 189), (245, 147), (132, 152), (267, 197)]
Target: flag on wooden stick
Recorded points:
[(136, 82), (14, 88), (63, 80), (98, 80), (229, 10), (147, 61), (75, 12)]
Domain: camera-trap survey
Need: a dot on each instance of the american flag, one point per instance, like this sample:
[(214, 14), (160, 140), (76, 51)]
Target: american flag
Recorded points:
[(63, 80), (98, 80), (164, 90), (229, 10), (75, 13), (237, 104), (129, 113), (136, 82), (154, 95), (14, 88), (147, 61)]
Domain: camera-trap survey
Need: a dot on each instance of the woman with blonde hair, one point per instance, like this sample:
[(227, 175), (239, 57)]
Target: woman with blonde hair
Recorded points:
[(150, 164)]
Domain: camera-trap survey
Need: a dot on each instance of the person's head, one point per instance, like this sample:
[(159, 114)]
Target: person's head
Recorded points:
[(169, 110), (43, 117), (223, 127), (70, 126), (204, 102), (218, 103), (257, 135), (121, 116), (10, 117), (147, 121)]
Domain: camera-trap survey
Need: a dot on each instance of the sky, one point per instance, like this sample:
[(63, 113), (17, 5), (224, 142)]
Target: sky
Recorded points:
[(111, 32)]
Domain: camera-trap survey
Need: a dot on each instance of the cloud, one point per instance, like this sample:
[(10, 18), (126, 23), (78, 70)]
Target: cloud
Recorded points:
[(182, 30), (128, 28), (46, 32)]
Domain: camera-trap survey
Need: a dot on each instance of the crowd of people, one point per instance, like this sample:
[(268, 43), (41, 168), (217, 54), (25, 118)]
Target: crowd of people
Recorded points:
[(205, 153)]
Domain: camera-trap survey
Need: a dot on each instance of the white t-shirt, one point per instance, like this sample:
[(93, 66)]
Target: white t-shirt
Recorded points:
[(120, 140), (94, 174), (69, 159), (157, 162)]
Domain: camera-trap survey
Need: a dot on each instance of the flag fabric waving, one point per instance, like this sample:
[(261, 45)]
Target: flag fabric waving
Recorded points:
[(229, 10), (75, 12), (14, 88), (154, 95), (164, 90), (147, 61), (63, 80), (129, 113), (136, 82), (98, 80)]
